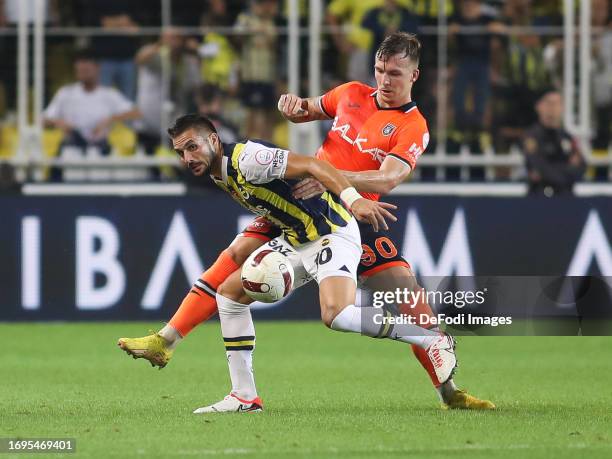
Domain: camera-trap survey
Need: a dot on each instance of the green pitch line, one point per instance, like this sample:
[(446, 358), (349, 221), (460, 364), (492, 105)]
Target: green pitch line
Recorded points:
[(326, 394)]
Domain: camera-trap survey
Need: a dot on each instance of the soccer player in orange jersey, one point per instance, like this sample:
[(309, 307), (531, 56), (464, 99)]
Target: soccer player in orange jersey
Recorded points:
[(376, 139)]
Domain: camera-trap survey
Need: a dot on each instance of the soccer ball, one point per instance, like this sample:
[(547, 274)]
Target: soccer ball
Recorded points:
[(267, 276)]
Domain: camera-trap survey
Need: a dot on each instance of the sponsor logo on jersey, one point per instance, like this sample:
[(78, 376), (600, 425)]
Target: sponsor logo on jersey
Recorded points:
[(278, 247), (388, 129), (258, 226), (260, 210), (325, 242), (376, 153), (342, 129), (264, 157), (279, 158)]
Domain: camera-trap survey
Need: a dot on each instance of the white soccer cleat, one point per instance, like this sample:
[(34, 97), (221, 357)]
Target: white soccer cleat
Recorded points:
[(442, 356), (232, 404)]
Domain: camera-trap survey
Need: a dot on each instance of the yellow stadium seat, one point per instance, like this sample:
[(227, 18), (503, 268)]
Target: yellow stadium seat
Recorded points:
[(51, 141), (8, 141), (122, 139), (167, 172), (591, 172)]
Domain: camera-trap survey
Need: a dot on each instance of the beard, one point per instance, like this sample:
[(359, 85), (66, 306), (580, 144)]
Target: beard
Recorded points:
[(199, 168)]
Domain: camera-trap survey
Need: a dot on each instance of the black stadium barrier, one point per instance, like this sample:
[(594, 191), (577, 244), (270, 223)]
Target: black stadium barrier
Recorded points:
[(114, 258)]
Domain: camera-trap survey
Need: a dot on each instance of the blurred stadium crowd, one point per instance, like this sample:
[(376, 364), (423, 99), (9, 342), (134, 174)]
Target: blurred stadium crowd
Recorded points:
[(227, 59)]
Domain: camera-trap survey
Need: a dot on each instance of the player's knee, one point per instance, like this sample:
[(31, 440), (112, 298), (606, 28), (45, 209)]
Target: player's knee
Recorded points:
[(242, 247), (230, 292)]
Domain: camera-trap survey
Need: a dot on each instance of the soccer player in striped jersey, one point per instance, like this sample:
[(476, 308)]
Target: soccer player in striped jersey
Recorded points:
[(376, 139), (261, 177)]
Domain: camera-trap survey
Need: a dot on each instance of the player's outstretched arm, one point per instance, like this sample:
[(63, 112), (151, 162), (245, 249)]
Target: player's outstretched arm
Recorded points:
[(392, 172), (382, 181), (375, 213), (298, 110)]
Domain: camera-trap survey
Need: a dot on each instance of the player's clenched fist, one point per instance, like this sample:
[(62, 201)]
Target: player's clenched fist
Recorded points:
[(292, 107)]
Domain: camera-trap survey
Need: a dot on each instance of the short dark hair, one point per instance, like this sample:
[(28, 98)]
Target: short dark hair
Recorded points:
[(400, 43), (192, 120), (546, 91), (85, 54)]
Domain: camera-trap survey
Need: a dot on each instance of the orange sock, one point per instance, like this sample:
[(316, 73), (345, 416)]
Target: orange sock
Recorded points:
[(200, 303), (421, 354)]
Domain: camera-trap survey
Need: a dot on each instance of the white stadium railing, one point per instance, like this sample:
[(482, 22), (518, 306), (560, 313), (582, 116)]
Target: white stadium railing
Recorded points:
[(505, 190), (305, 137)]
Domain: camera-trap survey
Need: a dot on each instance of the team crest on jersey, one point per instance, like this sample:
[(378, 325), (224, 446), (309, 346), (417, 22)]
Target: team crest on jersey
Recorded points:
[(388, 129)]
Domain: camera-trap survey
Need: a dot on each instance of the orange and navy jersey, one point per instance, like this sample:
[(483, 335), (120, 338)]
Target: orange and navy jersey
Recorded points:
[(364, 134)]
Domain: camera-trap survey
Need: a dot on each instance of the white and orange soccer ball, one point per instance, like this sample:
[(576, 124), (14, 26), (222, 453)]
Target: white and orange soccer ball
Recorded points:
[(267, 276)]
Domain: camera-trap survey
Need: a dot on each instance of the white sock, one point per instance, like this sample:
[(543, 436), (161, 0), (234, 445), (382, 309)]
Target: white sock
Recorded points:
[(239, 337), (363, 320), (171, 335)]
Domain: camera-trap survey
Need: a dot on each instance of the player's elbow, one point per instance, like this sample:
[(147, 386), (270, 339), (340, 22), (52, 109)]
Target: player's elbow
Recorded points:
[(386, 187), (392, 179), (389, 184)]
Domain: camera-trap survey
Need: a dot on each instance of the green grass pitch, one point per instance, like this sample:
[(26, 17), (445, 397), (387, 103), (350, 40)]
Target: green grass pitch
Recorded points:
[(326, 394)]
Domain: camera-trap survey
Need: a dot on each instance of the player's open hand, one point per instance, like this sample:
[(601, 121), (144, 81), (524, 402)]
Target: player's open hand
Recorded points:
[(292, 107), (373, 212), (308, 188)]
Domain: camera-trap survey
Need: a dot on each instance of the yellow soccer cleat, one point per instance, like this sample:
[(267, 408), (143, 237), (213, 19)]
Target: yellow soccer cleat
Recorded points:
[(461, 400), (153, 348)]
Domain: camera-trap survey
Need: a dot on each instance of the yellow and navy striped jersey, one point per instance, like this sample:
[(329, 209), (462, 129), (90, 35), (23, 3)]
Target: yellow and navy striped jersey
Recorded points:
[(252, 173)]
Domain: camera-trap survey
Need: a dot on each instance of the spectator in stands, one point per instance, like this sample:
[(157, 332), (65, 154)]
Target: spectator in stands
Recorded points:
[(548, 13), (426, 92), (552, 157), (210, 104), (472, 74), (158, 104), (357, 42), (116, 52), (183, 11), (385, 20), (602, 74), (520, 76), (219, 61), (86, 110), (258, 63)]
